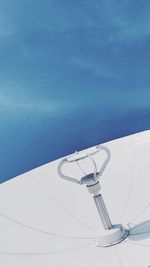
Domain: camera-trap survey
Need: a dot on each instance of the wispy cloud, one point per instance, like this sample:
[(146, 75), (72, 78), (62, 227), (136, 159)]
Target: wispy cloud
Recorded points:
[(123, 21), (97, 68), (18, 105), (118, 21)]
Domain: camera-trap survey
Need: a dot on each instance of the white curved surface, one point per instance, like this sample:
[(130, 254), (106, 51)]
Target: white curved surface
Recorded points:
[(46, 221)]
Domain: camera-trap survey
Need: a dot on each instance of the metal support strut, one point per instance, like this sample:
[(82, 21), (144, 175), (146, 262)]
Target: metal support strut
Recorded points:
[(111, 234), (102, 212)]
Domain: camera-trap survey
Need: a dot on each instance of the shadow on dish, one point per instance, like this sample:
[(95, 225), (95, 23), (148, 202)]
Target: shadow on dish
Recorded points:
[(139, 231)]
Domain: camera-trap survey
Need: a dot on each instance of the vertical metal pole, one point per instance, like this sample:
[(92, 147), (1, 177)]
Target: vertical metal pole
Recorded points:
[(102, 211)]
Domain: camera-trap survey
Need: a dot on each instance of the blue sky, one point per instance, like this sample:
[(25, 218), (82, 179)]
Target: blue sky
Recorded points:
[(72, 74)]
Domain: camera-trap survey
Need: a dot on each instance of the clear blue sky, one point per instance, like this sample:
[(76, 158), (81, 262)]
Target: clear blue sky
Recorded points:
[(72, 74)]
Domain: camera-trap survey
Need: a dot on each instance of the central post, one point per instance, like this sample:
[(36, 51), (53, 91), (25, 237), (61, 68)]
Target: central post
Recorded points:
[(111, 234)]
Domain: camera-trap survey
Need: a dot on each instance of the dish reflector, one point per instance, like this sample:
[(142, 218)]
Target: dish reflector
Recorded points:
[(46, 221)]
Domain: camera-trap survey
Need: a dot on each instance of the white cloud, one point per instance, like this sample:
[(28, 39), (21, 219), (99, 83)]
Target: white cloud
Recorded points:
[(99, 69), (113, 18), (123, 21), (16, 104)]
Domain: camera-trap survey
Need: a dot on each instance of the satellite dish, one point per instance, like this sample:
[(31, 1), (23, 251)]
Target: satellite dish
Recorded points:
[(97, 215)]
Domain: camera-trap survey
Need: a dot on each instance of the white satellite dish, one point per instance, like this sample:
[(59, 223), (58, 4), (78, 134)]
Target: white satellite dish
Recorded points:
[(47, 221)]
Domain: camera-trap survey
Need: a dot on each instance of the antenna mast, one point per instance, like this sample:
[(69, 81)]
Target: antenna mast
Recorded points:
[(111, 234)]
